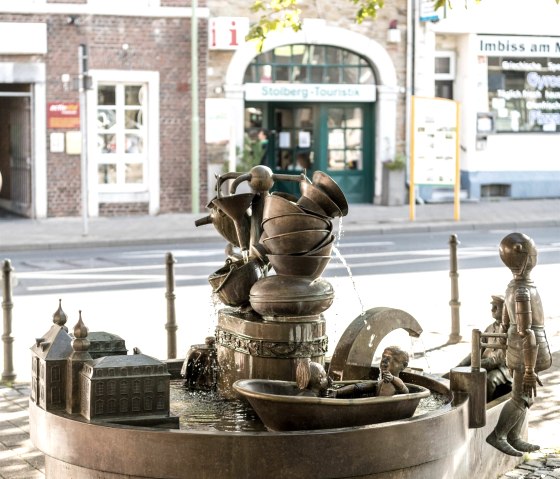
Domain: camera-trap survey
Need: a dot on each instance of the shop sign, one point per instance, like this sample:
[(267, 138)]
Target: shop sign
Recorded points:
[(63, 115), (435, 141), (518, 46), (428, 11), (309, 92), (227, 33)]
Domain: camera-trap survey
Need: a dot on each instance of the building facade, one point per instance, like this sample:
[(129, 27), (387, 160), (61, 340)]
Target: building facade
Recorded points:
[(332, 97), (505, 76), (122, 145)]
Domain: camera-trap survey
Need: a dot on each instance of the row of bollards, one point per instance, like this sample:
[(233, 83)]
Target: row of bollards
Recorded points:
[(8, 374)]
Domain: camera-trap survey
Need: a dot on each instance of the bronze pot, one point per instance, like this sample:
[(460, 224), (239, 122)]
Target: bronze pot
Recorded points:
[(291, 296), (324, 249), (232, 282)]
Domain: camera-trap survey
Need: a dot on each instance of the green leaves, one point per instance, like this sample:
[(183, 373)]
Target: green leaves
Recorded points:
[(276, 15)]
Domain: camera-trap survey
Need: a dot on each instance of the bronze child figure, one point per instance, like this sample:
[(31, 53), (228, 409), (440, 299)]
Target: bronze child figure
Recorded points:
[(527, 348), (393, 361)]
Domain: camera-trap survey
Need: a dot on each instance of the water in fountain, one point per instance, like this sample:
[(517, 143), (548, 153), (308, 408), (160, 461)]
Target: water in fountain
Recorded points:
[(345, 264)]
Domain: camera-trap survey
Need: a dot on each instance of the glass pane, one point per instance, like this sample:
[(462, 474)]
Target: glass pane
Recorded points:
[(353, 117), (134, 143), (106, 119), (133, 95), (442, 65), (133, 119), (336, 117), (354, 159), (333, 75), (282, 73), (336, 160), (303, 117), (107, 174), (106, 143), (106, 95), (134, 173), (353, 138)]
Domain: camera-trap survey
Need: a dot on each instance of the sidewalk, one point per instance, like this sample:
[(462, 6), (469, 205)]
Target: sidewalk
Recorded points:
[(18, 457), (18, 234)]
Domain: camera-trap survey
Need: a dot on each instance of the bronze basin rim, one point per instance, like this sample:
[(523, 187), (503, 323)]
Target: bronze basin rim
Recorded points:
[(241, 387)]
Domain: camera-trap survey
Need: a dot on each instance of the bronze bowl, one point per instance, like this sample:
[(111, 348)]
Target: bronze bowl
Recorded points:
[(291, 296), (321, 198), (323, 249), (331, 188), (294, 222), (289, 265), (232, 282), (276, 205), (309, 206), (280, 408), (295, 242)]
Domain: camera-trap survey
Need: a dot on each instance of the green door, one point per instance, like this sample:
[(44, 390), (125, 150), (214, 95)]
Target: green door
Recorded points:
[(347, 148), (334, 138)]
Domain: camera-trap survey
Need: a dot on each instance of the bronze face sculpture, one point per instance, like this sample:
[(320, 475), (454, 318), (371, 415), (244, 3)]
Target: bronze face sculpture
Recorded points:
[(527, 346), (393, 362)]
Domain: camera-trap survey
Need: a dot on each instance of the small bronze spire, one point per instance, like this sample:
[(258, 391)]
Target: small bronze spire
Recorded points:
[(59, 316), (80, 343)]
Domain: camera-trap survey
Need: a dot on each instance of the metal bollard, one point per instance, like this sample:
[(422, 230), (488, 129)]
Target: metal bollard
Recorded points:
[(171, 325), (455, 304), (8, 375)]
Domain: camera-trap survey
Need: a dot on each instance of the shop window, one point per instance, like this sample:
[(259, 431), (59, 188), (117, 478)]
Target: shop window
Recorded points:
[(524, 94), (121, 135)]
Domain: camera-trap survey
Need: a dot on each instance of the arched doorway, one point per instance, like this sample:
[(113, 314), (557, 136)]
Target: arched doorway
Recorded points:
[(320, 92)]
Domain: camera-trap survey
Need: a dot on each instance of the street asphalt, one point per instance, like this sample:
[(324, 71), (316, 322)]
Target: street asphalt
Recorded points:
[(18, 457)]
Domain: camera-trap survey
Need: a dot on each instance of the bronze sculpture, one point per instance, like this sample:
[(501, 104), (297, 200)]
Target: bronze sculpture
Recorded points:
[(498, 380), (527, 348), (393, 361), (312, 379)]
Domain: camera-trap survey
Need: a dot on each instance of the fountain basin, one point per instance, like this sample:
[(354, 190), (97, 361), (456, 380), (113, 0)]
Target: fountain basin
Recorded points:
[(281, 408), (437, 444)]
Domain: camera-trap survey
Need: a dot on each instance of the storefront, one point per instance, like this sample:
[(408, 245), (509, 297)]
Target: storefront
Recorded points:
[(509, 89), (319, 95)]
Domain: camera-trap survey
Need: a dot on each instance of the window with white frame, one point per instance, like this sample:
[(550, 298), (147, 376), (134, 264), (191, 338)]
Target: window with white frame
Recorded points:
[(121, 132)]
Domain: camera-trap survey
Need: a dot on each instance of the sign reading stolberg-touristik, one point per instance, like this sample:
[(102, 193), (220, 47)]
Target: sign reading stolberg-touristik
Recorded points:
[(308, 92)]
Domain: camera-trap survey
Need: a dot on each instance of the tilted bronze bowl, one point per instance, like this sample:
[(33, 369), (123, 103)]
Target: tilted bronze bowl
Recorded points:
[(331, 188), (294, 222), (275, 205), (291, 296), (309, 206), (323, 249), (289, 265), (232, 282), (321, 198), (296, 242), (280, 407)]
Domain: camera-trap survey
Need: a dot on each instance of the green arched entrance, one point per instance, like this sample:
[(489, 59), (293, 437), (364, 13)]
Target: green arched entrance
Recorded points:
[(317, 104)]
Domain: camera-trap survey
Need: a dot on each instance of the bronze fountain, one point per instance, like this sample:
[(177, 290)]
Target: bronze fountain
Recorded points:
[(270, 347)]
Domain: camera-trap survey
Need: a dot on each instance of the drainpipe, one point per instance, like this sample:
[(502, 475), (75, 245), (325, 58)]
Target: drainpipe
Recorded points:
[(410, 72), (195, 163)]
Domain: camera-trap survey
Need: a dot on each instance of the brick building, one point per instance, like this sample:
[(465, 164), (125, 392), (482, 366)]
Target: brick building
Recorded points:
[(137, 115), (334, 94)]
